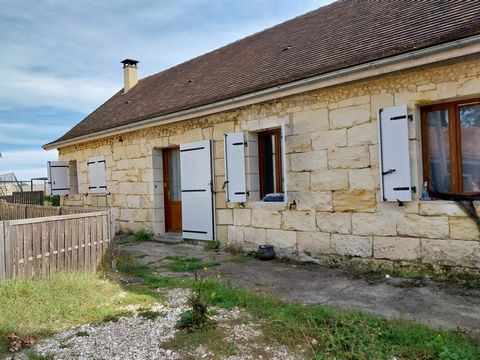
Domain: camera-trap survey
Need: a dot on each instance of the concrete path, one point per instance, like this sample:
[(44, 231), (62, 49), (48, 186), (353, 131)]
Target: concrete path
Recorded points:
[(442, 305)]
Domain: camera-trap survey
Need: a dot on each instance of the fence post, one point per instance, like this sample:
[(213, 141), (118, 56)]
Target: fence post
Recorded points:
[(8, 251), (2, 251)]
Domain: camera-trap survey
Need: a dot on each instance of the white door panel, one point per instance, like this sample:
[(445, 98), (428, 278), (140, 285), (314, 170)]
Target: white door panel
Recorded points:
[(197, 186)]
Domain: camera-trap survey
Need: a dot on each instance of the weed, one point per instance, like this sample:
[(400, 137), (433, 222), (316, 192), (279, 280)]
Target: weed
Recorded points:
[(143, 235), (148, 314), (473, 283), (211, 245), (228, 349), (234, 249), (195, 318), (239, 258), (184, 264), (82, 333), (114, 317)]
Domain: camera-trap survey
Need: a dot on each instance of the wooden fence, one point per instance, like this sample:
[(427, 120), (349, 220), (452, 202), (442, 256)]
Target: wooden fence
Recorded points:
[(25, 197), (9, 211), (38, 247)]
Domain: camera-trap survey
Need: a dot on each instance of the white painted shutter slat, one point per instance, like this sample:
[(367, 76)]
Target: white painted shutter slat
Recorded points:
[(394, 150), (58, 180), (197, 190), (236, 190)]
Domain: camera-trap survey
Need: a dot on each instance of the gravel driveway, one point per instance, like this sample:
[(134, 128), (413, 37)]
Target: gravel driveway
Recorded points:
[(137, 338)]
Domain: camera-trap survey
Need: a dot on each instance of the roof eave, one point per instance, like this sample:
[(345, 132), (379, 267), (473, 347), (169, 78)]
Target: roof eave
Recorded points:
[(446, 51)]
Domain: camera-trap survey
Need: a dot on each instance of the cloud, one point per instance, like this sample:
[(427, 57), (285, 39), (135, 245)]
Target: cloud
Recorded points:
[(32, 89), (61, 59), (26, 164)]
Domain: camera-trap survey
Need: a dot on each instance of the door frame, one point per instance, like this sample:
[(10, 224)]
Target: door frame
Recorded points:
[(166, 176)]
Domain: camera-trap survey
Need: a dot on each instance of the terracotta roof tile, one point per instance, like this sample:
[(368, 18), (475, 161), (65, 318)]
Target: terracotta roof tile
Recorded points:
[(340, 35)]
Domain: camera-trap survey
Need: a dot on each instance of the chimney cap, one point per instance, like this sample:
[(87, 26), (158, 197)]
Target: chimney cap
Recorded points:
[(129, 62)]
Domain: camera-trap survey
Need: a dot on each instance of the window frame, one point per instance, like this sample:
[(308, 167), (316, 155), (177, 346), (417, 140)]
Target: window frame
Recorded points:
[(277, 132), (454, 138)]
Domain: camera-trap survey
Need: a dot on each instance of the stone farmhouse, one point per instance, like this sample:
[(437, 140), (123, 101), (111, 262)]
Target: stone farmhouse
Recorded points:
[(329, 136)]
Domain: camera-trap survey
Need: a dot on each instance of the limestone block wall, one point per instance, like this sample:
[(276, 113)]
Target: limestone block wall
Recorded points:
[(334, 206)]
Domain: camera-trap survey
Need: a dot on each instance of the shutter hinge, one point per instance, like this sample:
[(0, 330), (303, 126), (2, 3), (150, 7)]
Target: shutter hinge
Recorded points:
[(406, 188), (389, 171)]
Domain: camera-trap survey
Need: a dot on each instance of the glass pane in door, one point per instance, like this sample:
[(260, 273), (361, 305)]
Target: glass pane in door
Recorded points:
[(174, 175), (470, 140)]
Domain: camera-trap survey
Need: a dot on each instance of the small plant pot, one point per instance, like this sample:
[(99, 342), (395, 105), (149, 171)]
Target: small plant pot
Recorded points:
[(266, 252)]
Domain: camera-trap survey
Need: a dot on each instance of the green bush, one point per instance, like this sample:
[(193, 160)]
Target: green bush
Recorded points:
[(54, 200)]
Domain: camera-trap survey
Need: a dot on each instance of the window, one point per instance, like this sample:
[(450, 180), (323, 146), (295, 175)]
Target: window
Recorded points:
[(254, 165), (451, 146), (270, 162)]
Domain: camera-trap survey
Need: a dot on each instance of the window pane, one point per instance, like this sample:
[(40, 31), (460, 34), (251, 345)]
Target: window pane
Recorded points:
[(470, 137), (439, 150), (174, 175), (270, 164)]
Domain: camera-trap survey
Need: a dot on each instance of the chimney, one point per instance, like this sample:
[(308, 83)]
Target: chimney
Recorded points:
[(130, 76)]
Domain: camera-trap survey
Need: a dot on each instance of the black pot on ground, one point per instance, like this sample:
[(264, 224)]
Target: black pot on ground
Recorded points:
[(266, 252)]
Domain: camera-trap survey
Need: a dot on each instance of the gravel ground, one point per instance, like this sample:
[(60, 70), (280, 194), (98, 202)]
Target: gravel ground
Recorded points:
[(136, 338)]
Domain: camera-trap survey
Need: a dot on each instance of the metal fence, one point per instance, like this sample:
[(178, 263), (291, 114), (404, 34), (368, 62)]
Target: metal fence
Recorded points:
[(25, 197)]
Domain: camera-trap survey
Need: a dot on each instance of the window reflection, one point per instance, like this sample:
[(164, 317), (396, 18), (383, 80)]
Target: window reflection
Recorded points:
[(470, 142)]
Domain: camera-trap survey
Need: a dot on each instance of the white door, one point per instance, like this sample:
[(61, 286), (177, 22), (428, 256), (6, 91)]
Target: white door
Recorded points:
[(197, 190)]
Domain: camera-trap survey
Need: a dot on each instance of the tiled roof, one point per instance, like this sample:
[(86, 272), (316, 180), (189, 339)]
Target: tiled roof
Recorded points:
[(333, 37)]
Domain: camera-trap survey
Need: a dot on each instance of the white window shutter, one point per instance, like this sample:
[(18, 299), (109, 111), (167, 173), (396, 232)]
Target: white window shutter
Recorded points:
[(58, 182), (96, 175), (396, 184), (235, 167)]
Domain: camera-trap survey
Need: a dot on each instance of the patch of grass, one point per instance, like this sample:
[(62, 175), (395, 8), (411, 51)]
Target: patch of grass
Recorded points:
[(32, 355), (128, 266), (211, 245), (212, 338), (115, 316), (82, 333), (239, 258), (149, 314), (234, 249), (43, 306), (333, 333), (143, 235), (327, 332), (185, 264)]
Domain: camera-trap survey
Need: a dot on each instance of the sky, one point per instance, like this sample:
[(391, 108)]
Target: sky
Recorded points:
[(60, 59)]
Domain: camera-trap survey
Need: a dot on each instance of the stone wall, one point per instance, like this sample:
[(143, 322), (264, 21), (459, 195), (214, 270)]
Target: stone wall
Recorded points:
[(334, 206)]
